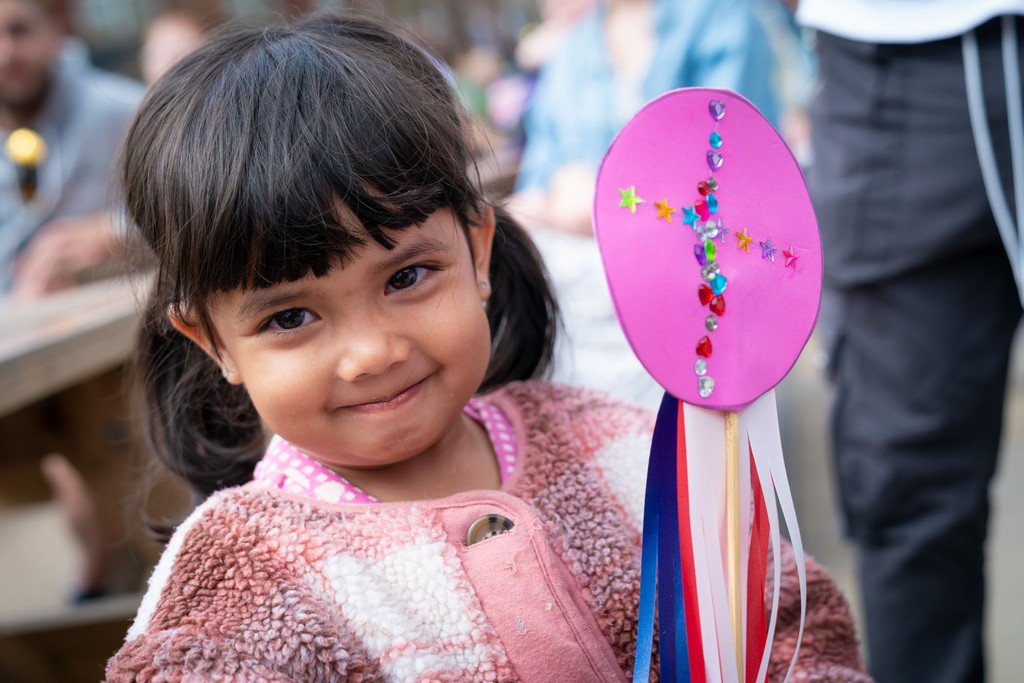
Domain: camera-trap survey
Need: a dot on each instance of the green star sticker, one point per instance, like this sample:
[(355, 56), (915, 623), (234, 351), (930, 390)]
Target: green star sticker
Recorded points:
[(629, 198)]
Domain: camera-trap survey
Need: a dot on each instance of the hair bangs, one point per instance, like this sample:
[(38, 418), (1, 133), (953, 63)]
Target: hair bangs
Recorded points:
[(278, 163)]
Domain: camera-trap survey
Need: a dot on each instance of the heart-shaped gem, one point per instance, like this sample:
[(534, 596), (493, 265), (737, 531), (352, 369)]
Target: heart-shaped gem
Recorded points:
[(718, 282), (704, 347), (717, 109), (701, 207), (710, 250), (700, 252), (703, 187), (706, 295), (717, 303), (714, 160)]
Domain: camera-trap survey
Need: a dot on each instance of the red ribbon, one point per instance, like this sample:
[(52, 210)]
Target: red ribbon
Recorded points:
[(757, 572), (698, 674)]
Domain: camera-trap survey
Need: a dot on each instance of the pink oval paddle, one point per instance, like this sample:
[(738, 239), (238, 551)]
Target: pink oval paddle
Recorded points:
[(651, 221)]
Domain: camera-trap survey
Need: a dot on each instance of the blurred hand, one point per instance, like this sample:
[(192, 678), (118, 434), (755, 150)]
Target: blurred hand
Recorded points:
[(571, 198), (527, 207), (95, 533), (61, 250), (566, 206)]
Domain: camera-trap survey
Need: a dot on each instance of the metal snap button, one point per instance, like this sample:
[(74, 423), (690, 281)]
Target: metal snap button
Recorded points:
[(486, 527)]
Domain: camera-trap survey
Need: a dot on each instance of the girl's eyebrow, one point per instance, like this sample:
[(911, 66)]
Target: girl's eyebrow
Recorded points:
[(413, 250), (255, 303)]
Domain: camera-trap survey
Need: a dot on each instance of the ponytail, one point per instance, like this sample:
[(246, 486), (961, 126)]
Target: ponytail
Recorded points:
[(521, 310), (199, 426)]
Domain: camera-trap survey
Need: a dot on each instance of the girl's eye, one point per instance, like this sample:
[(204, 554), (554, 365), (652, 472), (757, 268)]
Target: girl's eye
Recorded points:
[(290, 319), (406, 278)]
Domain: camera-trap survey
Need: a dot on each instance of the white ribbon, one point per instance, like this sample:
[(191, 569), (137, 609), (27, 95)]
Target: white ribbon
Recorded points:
[(706, 454), (762, 418)]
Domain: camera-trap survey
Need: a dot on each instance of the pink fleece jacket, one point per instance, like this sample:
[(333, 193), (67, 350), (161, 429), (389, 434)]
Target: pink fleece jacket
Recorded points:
[(264, 585)]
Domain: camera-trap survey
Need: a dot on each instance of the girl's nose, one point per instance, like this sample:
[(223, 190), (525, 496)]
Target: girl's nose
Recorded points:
[(369, 351)]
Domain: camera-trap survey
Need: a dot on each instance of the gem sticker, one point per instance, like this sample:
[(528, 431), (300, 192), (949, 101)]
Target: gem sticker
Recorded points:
[(629, 198), (717, 109), (664, 210), (791, 257)]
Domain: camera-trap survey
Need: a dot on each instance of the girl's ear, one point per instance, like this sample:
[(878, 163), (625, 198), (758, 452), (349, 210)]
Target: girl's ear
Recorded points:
[(481, 237), (200, 338)]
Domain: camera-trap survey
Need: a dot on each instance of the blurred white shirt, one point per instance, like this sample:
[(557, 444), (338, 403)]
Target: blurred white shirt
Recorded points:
[(593, 351), (901, 21)]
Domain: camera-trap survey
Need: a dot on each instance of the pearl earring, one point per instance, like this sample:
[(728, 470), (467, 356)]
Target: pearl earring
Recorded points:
[(485, 285), (224, 372)]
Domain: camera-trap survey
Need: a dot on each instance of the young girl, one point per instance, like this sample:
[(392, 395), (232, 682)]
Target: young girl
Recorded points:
[(330, 274)]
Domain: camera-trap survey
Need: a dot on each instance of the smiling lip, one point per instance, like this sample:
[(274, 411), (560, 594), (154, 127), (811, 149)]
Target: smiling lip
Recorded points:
[(389, 404)]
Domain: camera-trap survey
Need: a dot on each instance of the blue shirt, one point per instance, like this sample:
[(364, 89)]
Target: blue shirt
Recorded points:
[(578, 105)]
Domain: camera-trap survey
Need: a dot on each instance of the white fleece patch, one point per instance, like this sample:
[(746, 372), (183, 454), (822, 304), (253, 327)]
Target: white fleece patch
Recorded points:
[(624, 462), (407, 610), (162, 571)]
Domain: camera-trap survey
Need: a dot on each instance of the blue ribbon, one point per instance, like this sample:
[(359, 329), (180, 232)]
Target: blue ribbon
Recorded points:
[(661, 535)]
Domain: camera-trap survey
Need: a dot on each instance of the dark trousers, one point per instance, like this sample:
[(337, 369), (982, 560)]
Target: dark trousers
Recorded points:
[(923, 310)]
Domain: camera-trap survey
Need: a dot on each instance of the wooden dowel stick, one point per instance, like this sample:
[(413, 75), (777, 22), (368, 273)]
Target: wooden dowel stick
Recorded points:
[(732, 516)]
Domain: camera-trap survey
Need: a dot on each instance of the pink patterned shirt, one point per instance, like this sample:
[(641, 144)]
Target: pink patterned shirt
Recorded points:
[(287, 468)]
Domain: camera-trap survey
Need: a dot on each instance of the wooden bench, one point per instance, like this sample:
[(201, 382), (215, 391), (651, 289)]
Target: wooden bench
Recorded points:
[(64, 388)]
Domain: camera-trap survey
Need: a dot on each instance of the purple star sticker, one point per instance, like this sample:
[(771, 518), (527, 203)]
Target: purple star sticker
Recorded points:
[(767, 250)]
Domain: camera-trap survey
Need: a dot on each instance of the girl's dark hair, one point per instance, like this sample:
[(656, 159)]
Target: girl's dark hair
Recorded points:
[(245, 166)]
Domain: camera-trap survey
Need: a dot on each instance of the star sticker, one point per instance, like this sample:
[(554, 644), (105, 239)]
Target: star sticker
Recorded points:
[(689, 216), (791, 257), (767, 250), (629, 198), (664, 210), (743, 240)]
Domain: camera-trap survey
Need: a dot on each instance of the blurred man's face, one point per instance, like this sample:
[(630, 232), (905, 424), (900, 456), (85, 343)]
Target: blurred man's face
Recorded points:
[(30, 43)]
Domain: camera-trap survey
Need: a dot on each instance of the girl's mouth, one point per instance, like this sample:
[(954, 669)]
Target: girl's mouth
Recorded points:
[(384, 405)]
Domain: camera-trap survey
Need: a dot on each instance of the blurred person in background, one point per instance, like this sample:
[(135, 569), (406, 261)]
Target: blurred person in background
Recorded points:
[(914, 182), (540, 41), (616, 58), (498, 86), (169, 37), (55, 205)]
